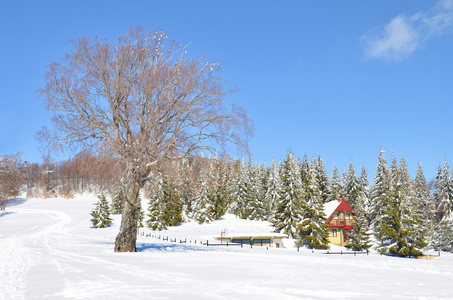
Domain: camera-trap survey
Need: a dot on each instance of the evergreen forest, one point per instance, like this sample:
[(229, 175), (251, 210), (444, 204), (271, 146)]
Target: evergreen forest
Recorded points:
[(394, 213)]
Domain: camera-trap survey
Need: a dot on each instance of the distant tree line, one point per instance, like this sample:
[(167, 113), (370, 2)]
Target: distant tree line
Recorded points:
[(84, 173)]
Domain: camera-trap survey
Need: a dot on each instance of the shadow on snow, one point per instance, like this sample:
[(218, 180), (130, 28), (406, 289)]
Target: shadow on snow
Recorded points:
[(151, 247), (16, 201), (5, 213)]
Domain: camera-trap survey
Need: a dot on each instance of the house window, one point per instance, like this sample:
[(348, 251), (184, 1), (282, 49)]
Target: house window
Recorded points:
[(261, 242), (333, 232), (242, 241)]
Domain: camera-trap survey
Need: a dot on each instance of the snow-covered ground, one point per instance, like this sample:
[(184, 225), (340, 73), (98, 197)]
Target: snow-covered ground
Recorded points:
[(49, 251)]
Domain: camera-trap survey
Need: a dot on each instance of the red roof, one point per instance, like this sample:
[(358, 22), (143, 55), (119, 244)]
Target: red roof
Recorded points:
[(344, 206)]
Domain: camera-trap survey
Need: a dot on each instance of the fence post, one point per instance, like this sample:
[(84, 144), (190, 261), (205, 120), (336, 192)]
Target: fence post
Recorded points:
[(207, 243), (354, 252), (297, 248), (227, 244), (341, 252), (241, 244)]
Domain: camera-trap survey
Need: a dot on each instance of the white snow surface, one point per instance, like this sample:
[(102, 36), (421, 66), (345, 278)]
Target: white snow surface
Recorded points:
[(49, 251)]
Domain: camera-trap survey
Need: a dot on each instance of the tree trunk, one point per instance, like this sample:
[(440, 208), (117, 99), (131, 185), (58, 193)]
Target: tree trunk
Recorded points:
[(127, 237)]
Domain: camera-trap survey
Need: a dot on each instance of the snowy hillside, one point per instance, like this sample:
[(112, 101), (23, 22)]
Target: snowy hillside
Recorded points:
[(49, 251)]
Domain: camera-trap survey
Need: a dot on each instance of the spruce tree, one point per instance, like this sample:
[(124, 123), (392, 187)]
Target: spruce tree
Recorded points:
[(255, 193), (185, 184), (313, 231), (157, 205), (443, 194), (402, 233), (220, 175), (305, 173), (272, 196), (241, 191), (360, 237), (379, 198), (319, 174), (443, 236), (203, 199), (424, 203), (364, 189), (351, 188), (336, 189), (288, 213), (95, 217), (117, 201), (165, 207), (101, 213)]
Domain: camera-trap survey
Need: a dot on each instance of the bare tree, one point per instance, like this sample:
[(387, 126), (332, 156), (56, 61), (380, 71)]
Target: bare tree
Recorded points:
[(143, 101), (11, 178)]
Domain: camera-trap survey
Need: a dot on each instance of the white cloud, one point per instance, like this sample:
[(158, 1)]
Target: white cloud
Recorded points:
[(397, 40), (404, 35)]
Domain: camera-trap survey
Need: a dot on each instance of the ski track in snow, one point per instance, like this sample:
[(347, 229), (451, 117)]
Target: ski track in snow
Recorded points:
[(48, 251), (17, 252)]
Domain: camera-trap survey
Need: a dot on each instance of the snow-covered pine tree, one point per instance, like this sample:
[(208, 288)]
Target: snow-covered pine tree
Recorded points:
[(173, 205), (117, 200), (321, 178), (101, 213), (364, 189), (379, 197), (240, 206), (424, 203), (255, 194), (165, 207), (313, 231), (443, 236), (220, 175), (95, 218), (201, 205), (185, 183), (360, 237), (336, 189), (288, 213), (402, 234), (443, 194), (351, 186), (156, 209), (273, 186)]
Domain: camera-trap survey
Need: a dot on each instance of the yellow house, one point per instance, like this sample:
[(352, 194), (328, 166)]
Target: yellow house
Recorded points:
[(339, 218)]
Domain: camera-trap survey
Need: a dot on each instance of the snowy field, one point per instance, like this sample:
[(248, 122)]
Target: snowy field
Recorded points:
[(49, 251)]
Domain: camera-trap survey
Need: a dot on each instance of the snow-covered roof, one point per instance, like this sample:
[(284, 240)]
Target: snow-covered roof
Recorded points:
[(330, 207), (336, 205)]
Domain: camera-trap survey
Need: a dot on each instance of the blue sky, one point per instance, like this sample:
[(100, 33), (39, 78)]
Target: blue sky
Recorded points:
[(340, 79)]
